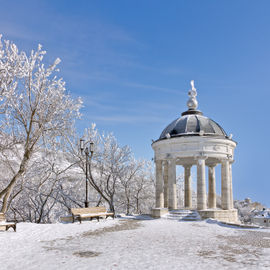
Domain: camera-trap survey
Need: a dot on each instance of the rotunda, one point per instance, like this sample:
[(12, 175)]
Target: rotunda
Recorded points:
[(194, 140)]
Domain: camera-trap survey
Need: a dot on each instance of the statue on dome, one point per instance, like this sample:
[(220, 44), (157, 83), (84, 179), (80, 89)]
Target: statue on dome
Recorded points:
[(192, 102)]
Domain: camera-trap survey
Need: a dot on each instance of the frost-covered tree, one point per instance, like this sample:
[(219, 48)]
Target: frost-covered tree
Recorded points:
[(136, 190), (35, 110), (47, 190), (120, 181), (127, 180), (247, 209), (109, 163)]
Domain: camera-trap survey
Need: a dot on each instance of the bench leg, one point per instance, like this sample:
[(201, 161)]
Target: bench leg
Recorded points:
[(11, 226)]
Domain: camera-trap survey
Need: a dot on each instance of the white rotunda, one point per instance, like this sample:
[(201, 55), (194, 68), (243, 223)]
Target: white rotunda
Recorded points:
[(194, 140)]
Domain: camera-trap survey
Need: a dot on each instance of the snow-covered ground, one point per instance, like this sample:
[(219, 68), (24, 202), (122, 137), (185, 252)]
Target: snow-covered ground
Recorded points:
[(134, 244)]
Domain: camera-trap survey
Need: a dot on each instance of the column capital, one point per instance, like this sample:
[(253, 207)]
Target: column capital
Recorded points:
[(231, 161), (158, 161), (224, 160), (169, 156), (171, 161), (201, 159), (187, 166), (165, 162), (230, 158), (200, 156), (211, 165)]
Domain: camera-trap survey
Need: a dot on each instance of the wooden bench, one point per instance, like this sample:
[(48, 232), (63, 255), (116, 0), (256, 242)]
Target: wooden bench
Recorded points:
[(90, 212), (5, 224)]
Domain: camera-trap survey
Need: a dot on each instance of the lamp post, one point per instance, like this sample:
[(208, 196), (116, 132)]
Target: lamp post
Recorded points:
[(86, 151)]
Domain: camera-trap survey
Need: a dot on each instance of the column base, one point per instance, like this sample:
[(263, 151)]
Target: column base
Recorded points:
[(221, 215), (158, 212)]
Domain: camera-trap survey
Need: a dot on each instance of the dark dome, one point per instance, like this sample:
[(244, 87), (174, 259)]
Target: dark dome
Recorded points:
[(193, 124)]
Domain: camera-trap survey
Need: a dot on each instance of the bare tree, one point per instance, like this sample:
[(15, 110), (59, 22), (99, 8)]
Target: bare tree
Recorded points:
[(136, 183), (36, 111), (144, 189), (107, 164), (48, 190)]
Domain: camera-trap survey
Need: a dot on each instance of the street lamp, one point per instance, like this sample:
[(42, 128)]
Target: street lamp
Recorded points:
[(86, 151)]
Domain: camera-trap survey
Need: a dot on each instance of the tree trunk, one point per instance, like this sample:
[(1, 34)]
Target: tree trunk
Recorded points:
[(12, 183), (137, 205), (8, 192), (99, 201), (128, 206), (111, 205)]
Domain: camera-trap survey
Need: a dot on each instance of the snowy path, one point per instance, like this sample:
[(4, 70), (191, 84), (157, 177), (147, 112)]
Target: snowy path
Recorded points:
[(134, 244)]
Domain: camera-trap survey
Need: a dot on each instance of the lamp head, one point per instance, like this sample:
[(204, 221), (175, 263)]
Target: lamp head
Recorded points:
[(81, 145), (91, 148)]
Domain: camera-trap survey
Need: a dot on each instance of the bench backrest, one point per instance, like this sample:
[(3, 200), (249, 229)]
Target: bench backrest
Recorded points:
[(2, 217), (89, 210)]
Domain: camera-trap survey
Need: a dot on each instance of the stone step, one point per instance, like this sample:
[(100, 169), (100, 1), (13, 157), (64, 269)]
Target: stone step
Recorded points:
[(183, 214), (191, 218), (184, 219), (182, 211)]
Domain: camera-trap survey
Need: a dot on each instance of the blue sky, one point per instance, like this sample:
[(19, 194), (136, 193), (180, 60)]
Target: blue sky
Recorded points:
[(132, 61)]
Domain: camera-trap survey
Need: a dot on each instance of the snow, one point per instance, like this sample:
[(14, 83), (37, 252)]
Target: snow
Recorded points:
[(128, 243), (263, 214)]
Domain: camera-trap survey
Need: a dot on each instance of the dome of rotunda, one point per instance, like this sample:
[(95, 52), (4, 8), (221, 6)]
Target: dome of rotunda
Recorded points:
[(192, 122), (192, 125)]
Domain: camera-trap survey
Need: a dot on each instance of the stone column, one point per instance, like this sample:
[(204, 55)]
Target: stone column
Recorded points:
[(159, 185), (225, 185), (165, 178), (201, 188), (212, 198), (188, 187), (231, 188), (172, 202)]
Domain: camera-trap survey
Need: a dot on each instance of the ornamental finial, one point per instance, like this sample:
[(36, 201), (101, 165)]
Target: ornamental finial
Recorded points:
[(192, 102)]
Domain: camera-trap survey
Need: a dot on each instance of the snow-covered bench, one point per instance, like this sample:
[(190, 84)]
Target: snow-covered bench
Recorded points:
[(5, 224), (90, 212)]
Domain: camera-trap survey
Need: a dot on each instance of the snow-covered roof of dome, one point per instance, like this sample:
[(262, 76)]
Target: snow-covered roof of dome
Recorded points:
[(192, 122)]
